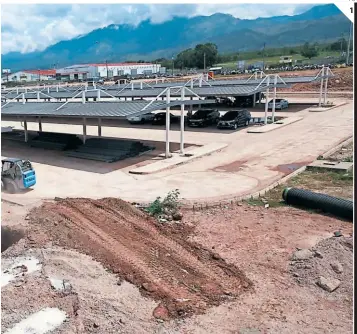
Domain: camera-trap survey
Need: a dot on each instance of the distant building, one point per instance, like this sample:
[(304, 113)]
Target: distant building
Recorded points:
[(286, 60), (29, 75), (104, 70), (216, 70), (241, 65)]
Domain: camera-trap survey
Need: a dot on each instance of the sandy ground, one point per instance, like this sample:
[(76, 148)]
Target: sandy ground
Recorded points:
[(259, 242)]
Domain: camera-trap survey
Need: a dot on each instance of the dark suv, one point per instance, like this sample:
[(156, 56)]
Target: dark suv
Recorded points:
[(234, 118), (204, 117)]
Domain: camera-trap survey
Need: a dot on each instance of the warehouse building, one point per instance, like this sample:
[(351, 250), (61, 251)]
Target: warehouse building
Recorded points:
[(104, 70), (29, 75)]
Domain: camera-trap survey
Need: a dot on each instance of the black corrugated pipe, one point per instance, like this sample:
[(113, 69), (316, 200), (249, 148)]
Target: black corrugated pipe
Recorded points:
[(337, 206)]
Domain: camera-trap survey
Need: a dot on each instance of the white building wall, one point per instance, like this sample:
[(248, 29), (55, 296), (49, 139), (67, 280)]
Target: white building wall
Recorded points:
[(23, 77), (115, 69)]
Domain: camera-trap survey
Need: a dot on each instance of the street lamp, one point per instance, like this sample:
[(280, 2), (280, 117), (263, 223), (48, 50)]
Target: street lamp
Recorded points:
[(106, 64), (173, 64)]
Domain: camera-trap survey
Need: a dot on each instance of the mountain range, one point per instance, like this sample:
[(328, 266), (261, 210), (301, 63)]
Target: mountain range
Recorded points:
[(149, 41)]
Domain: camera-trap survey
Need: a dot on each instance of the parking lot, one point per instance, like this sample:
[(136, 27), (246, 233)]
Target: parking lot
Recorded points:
[(250, 161)]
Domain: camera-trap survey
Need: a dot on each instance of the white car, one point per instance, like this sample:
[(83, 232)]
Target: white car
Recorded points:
[(279, 104), (144, 118)]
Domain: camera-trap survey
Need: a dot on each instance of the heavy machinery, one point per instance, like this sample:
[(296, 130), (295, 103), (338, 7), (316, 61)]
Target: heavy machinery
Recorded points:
[(17, 174)]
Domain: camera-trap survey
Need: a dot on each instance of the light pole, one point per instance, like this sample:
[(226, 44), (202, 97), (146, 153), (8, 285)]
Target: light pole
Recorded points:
[(106, 65), (204, 62), (349, 44), (264, 56), (173, 65)]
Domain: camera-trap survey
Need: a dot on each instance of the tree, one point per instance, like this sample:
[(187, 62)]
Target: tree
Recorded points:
[(186, 59), (205, 54), (309, 51), (340, 45)]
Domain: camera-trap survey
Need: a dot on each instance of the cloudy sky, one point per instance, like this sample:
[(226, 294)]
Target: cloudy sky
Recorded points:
[(26, 28)]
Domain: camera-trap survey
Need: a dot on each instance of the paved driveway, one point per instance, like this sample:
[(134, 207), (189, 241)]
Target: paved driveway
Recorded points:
[(248, 164)]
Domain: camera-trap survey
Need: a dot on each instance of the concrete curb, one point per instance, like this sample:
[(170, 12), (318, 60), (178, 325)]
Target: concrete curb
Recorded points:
[(336, 148), (11, 202), (275, 126), (321, 109), (257, 194), (162, 165)]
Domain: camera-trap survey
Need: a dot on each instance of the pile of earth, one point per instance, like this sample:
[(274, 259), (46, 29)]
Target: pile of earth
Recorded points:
[(183, 276)]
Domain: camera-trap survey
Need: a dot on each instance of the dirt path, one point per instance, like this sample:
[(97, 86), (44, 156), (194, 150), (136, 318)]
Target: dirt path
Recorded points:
[(184, 276)]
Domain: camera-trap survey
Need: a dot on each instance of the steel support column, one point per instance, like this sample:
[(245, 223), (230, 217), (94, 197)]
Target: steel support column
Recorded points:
[(322, 84), (39, 124), (260, 98), (83, 97), (274, 97), (182, 121), (326, 81), (84, 130), (254, 98), (99, 127), (167, 151), (26, 133), (266, 101), (98, 95)]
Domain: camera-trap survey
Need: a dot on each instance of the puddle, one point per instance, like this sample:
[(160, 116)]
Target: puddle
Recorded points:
[(44, 321), (20, 267), (289, 168)]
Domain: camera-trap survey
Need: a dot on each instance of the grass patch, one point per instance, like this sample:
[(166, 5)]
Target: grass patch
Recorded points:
[(249, 60), (331, 183)]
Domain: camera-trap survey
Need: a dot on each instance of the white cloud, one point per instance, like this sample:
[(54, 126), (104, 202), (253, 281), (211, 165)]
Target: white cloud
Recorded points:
[(27, 28)]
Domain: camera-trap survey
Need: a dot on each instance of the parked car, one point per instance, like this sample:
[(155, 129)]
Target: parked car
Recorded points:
[(145, 118), (234, 118), (279, 104), (204, 117), (160, 118), (227, 101)]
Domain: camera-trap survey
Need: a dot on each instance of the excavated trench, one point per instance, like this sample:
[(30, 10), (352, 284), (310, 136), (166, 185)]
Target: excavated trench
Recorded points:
[(9, 237)]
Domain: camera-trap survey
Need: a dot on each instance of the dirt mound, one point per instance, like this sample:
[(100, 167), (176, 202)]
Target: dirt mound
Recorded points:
[(331, 259), (157, 258), (342, 81)]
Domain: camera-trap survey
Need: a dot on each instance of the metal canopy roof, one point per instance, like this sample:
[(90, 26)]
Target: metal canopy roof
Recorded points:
[(242, 90), (91, 109), (151, 85)]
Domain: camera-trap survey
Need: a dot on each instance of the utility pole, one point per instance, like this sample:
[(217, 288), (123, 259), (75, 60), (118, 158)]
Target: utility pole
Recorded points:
[(349, 45), (264, 56), (106, 65), (173, 65), (204, 62)]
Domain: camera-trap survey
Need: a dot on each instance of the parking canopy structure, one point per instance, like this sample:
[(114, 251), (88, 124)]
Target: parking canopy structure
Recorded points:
[(82, 113), (242, 90)]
